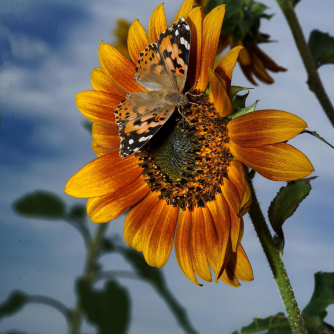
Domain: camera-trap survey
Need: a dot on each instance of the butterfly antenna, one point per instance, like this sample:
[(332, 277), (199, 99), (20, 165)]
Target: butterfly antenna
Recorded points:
[(196, 104)]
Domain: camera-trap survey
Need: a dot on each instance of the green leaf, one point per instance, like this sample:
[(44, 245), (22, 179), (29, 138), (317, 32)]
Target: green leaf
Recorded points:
[(40, 204), (136, 259), (239, 101), (277, 324), (286, 203), (78, 213), (13, 304), (322, 47), (108, 309), (322, 297), (258, 8)]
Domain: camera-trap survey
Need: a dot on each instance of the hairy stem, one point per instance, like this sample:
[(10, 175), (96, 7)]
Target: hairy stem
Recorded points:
[(277, 265), (89, 274), (314, 81)]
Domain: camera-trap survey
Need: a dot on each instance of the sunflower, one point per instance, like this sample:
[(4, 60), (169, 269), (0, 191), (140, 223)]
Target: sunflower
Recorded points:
[(189, 180)]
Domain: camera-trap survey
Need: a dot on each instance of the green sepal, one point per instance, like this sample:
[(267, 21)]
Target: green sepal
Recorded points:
[(242, 111), (234, 90)]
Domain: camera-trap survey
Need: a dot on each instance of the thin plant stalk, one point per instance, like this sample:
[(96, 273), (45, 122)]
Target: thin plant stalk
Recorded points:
[(276, 265), (314, 81)]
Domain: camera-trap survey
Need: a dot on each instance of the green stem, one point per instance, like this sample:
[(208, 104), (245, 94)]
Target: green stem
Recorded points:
[(314, 81), (277, 265), (89, 274)]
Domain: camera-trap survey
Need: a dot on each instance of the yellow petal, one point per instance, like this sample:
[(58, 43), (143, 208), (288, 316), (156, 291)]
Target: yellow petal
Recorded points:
[(136, 220), (246, 200), (101, 81), (236, 175), (137, 40), (195, 21), (211, 31), (278, 162), (98, 107), (105, 208), (101, 151), (185, 8), (228, 278), (218, 96), (157, 24), (240, 265), (198, 246), (103, 175), (211, 238), (105, 137), (260, 71), (183, 246), (120, 70), (226, 65), (158, 235), (264, 127)]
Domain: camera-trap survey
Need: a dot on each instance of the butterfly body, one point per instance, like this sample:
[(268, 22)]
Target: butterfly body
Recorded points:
[(162, 71)]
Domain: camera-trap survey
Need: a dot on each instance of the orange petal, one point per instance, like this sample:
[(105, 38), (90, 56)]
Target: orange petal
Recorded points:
[(101, 82), (236, 175), (226, 65), (228, 278), (136, 220), (137, 40), (211, 238), (195, 21), (157, 24), (101, 151), (218, 95), (103, 175), (264, 127), (224, 235), (232, 198), (158, 234), (105, 208), (240, 265), (183, 245), (198, 246), (211, 31), (185, 8), (105, 137), (260, 71), (278, 162), (98, 107), (246, 200), (120, 69)]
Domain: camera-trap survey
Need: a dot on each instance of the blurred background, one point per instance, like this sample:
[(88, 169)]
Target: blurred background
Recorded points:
[(47, 52)]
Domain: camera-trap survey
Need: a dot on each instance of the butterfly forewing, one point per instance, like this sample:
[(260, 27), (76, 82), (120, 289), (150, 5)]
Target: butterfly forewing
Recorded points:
[(174, 46)]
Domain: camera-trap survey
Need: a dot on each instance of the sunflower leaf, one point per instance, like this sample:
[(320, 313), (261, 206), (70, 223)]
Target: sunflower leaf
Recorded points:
[(322, 47), (285, 204), (13, 304), (40, 204), (108, 309), (239, 112), (322, 297), (88, 125)]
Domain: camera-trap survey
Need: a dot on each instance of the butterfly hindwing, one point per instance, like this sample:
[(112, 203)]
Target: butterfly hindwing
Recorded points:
[(137, 132), (174, 46)]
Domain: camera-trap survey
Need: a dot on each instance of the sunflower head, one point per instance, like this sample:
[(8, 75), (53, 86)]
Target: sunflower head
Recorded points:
[(187, 186)]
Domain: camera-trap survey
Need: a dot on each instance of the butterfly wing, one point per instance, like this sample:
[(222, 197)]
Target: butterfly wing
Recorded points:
[(174, 46), (151, 71), (139, 119)]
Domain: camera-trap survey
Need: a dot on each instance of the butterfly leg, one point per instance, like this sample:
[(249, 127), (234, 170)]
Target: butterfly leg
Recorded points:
[(181, 113)]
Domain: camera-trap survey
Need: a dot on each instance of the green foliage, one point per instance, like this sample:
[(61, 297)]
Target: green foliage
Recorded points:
[(322, 47), (78, 213), (234, 90), (108, 309), (242, 18), (286, 203), (13, 304), (88, 125), (313, 314), (40, 204)]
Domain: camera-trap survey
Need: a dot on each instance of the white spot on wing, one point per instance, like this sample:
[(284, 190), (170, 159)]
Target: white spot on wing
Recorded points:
[(145, 138), (131, 141)]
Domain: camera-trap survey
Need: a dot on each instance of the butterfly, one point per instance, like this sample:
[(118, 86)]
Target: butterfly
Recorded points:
[(162, 70)]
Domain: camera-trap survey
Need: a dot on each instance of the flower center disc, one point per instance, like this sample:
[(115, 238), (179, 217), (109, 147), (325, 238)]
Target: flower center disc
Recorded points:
[(187, 160)]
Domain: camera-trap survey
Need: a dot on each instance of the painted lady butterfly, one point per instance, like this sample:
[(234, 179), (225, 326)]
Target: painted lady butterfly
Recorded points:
[(162, 71)]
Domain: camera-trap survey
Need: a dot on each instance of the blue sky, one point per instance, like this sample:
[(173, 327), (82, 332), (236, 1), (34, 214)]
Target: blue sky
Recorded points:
[(47, 52)]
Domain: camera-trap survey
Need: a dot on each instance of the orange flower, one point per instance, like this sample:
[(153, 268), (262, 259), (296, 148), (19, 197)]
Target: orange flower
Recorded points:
[(189, 180)]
